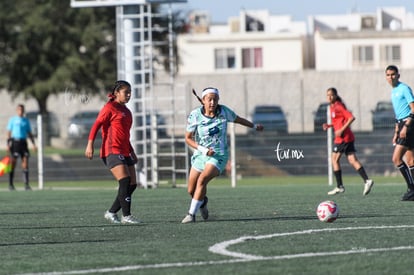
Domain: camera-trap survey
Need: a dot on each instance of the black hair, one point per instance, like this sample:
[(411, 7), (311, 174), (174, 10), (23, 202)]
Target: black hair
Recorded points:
[(335, 92), (117, 86), (392, 68)]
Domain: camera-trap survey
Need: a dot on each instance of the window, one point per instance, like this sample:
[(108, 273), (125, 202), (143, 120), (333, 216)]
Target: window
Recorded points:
[(363, 55), (390, 54), (252, 58), (225, 58)]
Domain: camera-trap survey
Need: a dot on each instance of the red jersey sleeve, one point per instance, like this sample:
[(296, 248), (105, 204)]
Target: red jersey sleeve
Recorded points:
[(98, 123)]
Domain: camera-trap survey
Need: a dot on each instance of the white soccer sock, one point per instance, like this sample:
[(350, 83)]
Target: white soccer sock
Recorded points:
[(195, 205)]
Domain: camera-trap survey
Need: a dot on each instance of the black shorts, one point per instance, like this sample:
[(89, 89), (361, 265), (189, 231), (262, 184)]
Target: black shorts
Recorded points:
[(19, 148), (408, 141), (113, 160), (345, 147)]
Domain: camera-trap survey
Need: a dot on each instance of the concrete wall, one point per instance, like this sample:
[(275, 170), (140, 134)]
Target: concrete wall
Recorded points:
[(299, 94)]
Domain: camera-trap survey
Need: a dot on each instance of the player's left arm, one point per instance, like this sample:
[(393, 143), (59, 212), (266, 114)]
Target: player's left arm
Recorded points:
[(248, 123)]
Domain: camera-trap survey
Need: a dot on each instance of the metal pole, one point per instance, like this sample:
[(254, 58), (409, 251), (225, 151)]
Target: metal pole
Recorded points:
[(233, 155), (40, 152), (329, 145)]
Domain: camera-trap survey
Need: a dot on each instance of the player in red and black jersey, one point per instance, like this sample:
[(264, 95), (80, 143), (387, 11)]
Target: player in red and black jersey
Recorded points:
[(115, 121), (343, 142)]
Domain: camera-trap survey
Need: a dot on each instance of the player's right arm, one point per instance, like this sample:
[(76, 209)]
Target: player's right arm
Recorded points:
[(92, 134)]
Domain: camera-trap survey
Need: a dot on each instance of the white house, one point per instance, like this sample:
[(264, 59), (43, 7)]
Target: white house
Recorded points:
[(363, 41), (253, 42)]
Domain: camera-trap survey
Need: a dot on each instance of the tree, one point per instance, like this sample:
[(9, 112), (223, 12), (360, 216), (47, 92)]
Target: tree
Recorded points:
[(47, 47)]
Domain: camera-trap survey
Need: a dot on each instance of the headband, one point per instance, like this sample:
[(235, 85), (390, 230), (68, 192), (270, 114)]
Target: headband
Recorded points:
[(209, 91)]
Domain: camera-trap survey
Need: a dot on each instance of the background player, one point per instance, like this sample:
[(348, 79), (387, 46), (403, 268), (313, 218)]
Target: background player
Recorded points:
[(343, 142)]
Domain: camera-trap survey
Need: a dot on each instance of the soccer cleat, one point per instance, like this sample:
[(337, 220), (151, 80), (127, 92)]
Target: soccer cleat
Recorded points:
[(409, 196), (11, 187), (27, 188), (367, 187), (337, 190), (130, 220), (112, 217), (189, 218), (204, 209)]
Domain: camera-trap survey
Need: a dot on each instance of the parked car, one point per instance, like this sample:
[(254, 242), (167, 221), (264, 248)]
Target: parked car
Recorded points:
[(383, 117), (80, 124), (271, 117), (320, 117), (53, 126)]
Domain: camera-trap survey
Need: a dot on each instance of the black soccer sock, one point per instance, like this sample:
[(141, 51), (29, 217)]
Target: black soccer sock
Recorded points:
[(26, 176), (131, 189), (123, 196), (116, 206), (338, 176), (363, 174), (411, 168), (405, 172), (11, 177)]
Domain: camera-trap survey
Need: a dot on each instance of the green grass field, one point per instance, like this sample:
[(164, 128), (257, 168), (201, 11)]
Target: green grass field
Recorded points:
[(62, 231)]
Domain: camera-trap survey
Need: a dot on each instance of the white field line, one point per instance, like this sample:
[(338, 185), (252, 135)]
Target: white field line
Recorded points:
[(221, 248)]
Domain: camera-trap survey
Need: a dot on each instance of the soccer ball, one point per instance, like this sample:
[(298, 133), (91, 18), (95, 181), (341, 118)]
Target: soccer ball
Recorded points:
[(327, 211)]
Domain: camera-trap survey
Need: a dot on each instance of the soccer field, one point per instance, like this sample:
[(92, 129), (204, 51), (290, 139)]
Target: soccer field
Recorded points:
[(263, 226)]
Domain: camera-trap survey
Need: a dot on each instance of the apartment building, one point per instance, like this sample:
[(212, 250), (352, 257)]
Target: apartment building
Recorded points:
[(256, 41), (363, 41)]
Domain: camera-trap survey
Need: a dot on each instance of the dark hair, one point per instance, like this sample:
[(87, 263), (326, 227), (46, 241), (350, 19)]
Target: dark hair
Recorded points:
[(335, 92), (119, 84), (392, 68)]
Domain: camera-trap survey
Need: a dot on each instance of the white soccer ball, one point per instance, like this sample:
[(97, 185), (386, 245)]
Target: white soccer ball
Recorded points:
[(327, 211)]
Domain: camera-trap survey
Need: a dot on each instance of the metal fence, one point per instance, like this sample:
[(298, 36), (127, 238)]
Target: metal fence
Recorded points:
[(257, 155)]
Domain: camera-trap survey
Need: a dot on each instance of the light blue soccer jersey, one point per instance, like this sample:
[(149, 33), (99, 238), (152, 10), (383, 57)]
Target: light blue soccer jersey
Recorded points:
[(401, 96), (19, 127), (211, 132)]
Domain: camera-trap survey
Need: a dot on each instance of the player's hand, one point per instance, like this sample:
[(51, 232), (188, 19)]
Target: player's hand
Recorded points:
[(210, 152), (326, 126), (259, 127), (89, 150), (133, 157)]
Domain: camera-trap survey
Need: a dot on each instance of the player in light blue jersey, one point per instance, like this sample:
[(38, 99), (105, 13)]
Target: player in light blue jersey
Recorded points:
[(403, 102), (18, 130), (207, 133)]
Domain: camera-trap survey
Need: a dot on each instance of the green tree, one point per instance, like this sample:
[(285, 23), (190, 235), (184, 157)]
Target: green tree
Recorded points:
[(47, 47)]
